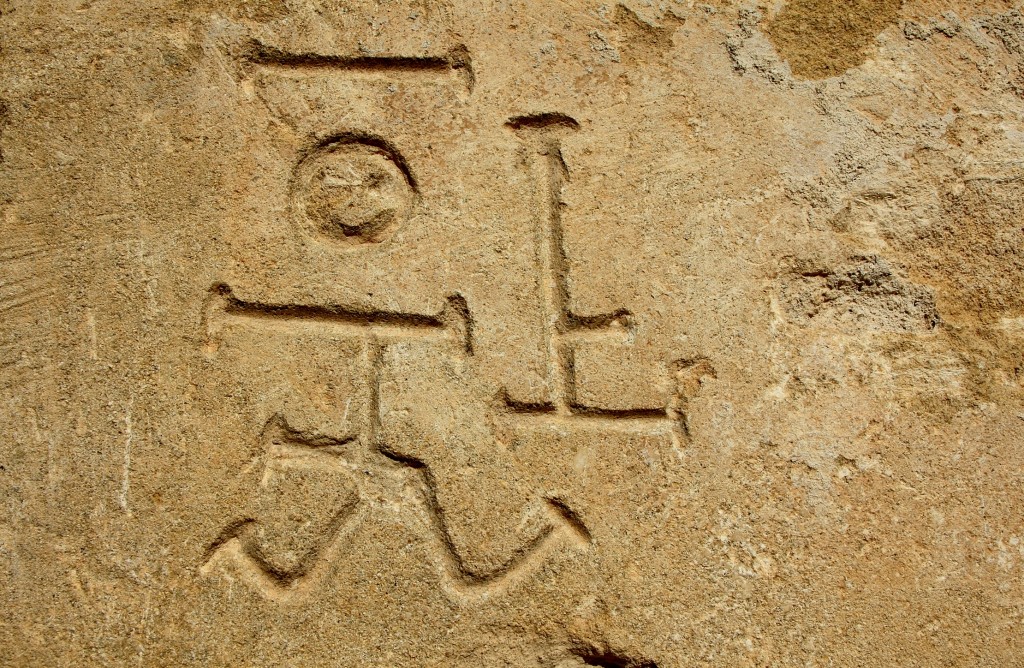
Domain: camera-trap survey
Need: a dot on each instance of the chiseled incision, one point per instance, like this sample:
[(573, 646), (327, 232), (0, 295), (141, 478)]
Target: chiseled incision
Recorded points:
[(453, 322), (239, 541), (265, 544), (352, 189), (456, 62), (542, 135), (377, 329), (355, 188)]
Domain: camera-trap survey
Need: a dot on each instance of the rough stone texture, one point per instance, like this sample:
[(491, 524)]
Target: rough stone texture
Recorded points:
[(532, 334)]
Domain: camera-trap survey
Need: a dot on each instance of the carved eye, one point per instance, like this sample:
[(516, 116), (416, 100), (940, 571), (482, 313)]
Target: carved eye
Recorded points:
[(353, 190)]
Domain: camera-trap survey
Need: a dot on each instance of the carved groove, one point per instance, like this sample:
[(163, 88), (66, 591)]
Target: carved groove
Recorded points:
[(458, 577), (281, 442), (453, 321), (563, 325), (332, 314), (543, 120), (456, 61), (367, 139), (5, 117), (571, 518)]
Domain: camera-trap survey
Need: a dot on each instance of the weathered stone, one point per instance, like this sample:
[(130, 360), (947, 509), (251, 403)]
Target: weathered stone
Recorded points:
[(533, 334)]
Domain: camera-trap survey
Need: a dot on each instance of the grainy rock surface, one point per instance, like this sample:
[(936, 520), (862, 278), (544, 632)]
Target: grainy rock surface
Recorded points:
[(511, 334)]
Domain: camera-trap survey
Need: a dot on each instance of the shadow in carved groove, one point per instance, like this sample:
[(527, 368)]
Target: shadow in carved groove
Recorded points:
[(456, 61), (604, 657)]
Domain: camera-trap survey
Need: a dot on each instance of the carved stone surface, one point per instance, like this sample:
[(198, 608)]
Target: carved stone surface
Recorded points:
[(532, 334)]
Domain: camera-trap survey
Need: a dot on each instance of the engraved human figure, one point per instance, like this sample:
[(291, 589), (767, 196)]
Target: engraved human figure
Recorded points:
[(422, 404)]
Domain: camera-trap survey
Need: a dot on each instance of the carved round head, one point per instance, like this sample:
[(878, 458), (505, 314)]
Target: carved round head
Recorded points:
[(352, 190)]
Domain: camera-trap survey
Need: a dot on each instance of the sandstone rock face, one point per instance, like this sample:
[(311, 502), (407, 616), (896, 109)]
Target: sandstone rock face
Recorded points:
[(511, 334)]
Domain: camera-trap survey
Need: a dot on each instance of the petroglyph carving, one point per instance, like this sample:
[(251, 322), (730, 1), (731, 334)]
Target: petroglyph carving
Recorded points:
[(452, 323), (245, 542), (542, 135), (455, 62), (305, 500), (636, 333), (354, 189)]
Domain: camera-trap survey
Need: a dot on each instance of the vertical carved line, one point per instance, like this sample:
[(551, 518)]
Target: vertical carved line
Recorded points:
[(374, 358)]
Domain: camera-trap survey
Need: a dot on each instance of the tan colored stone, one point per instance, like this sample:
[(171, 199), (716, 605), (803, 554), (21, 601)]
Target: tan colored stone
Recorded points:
[(533, 334)]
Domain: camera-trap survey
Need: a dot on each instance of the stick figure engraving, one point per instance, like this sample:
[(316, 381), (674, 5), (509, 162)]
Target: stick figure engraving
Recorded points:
[(350, 192)]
